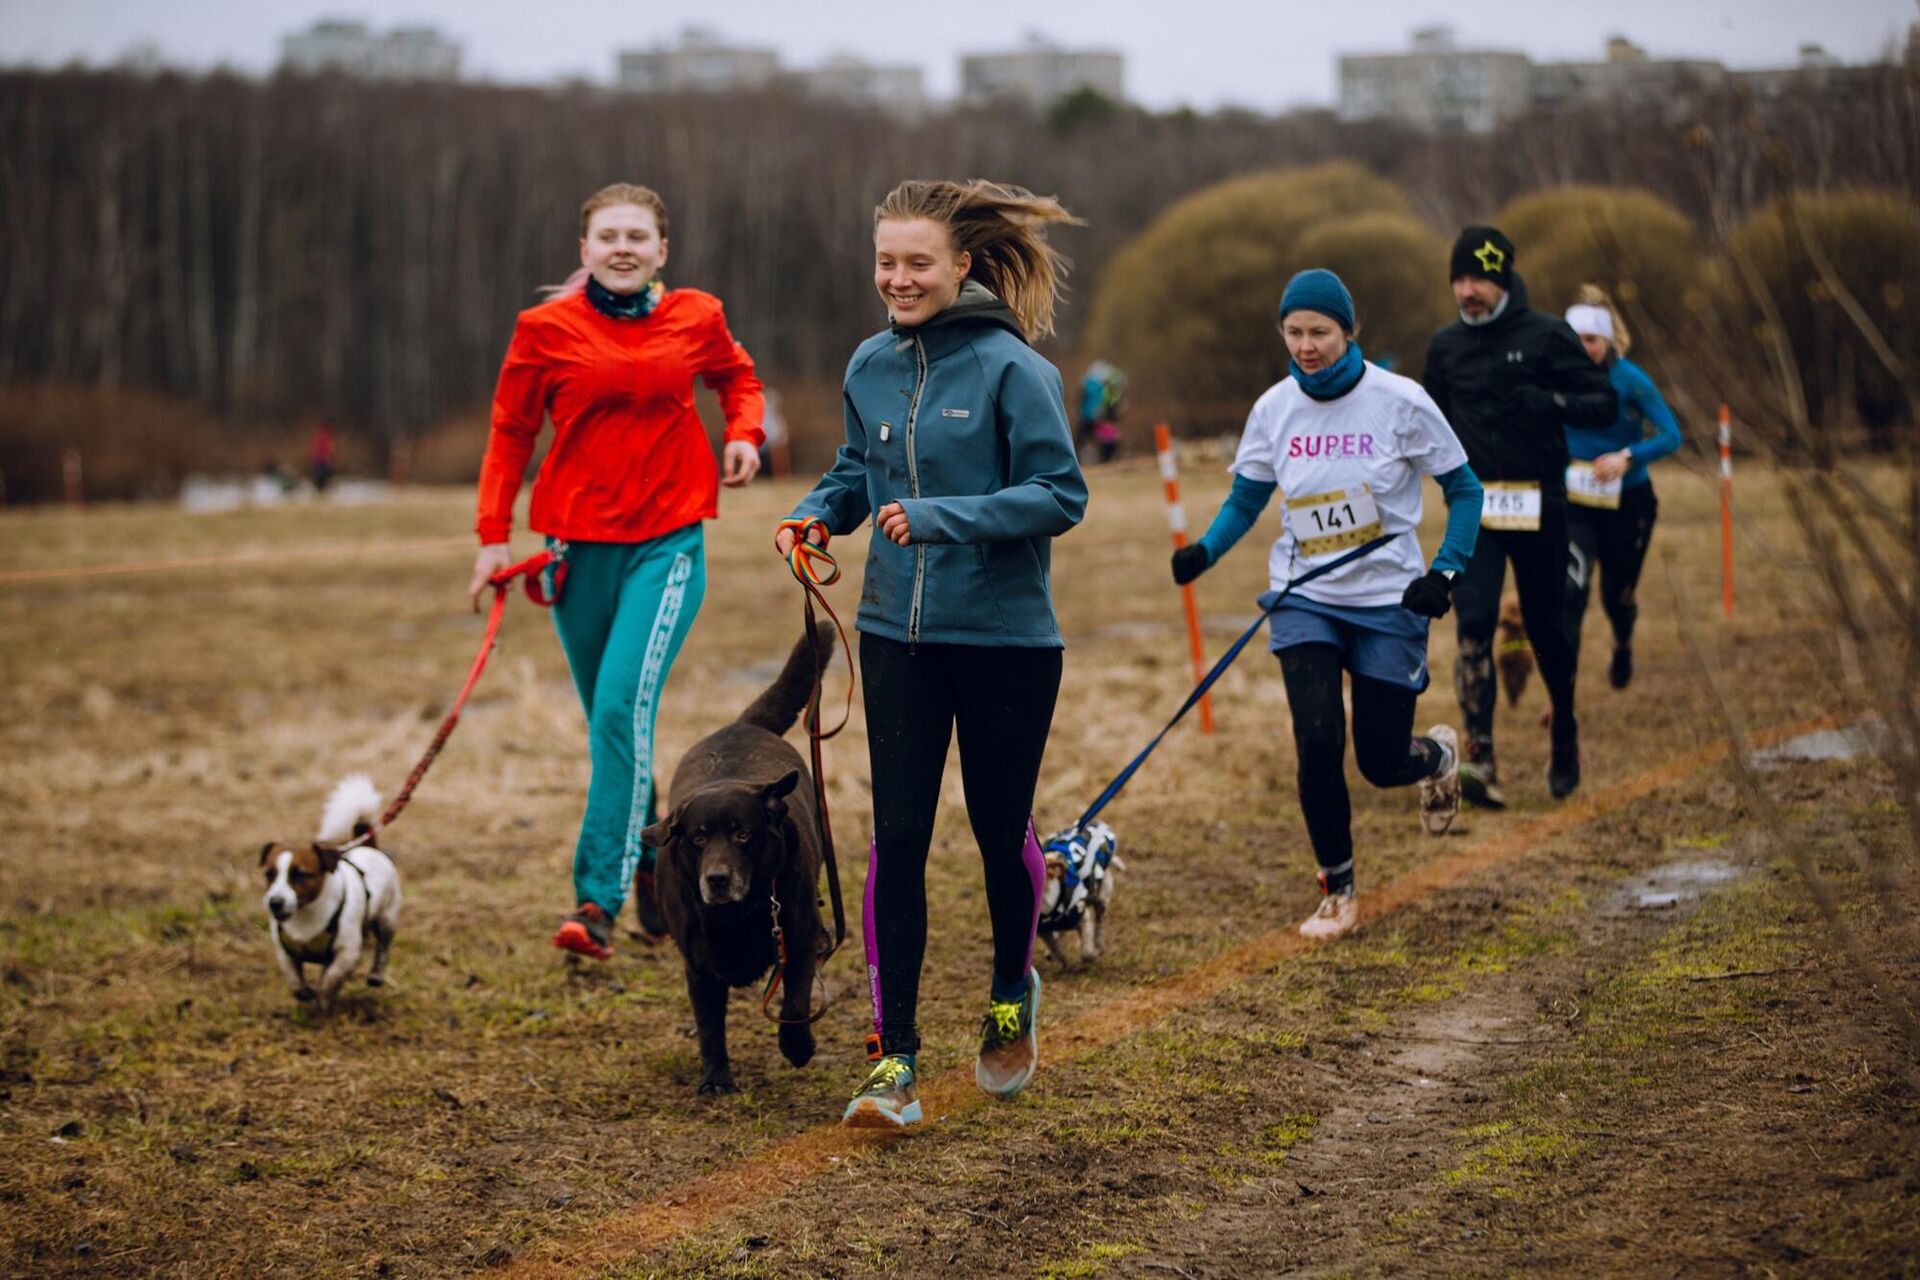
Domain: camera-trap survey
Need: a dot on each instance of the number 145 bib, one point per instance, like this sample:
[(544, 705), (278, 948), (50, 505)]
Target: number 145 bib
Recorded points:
[(1323, 523)]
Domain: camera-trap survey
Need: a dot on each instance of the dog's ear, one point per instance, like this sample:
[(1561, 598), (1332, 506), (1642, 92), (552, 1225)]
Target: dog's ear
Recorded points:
[(660, 834), (328, 855), (774, 795), (266, 851)]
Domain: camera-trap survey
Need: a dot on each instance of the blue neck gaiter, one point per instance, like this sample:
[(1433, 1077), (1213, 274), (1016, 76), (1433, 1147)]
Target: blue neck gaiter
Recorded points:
[(1336, 379)]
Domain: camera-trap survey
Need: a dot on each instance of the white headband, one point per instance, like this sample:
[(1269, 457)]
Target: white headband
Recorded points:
[(1594, 320)]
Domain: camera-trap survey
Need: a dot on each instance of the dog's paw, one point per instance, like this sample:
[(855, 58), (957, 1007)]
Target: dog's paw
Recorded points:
[(716, 1082), (376, 979), (796, 1045)]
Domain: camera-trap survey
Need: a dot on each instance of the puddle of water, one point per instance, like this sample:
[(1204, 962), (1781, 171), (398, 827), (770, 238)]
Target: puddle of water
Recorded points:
[(1677, 884), (1868, 738)]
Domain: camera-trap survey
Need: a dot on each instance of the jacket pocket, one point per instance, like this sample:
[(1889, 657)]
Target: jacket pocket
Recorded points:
[(1018, 583)]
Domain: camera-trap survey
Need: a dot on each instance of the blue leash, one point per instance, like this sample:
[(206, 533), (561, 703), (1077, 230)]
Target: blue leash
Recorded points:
[(1220, 669)]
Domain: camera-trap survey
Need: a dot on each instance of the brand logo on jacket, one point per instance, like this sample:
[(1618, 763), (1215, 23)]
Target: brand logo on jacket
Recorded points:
[(1515, 357), (956, 413)]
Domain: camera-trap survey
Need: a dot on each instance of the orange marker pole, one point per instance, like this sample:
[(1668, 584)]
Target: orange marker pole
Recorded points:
[(1726, 511), (1177, 518)]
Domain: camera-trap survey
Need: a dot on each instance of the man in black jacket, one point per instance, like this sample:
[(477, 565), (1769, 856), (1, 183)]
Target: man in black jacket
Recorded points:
[(1510, 379)]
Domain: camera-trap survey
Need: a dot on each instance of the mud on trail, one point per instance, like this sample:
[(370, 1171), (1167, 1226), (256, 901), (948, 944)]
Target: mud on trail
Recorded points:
[(1606, 1039)]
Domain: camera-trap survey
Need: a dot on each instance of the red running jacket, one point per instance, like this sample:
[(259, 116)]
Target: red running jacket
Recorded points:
[(630, 459)]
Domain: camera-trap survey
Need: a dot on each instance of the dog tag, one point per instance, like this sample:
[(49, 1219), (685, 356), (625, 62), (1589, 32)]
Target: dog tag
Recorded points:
[(1511, 505), (1586, 489), (1323, 523)]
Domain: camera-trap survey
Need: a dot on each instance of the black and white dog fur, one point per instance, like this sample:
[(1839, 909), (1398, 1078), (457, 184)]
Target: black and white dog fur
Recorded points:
[(325, 905), (1079, 888)]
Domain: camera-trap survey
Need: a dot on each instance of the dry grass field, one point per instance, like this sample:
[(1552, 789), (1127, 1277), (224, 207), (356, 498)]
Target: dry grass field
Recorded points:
[(1604, 1038)]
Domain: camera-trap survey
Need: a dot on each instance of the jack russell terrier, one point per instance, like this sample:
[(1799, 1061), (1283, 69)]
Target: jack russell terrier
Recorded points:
[(325, 904)]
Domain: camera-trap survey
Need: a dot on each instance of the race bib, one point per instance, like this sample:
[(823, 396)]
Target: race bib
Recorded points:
[(1512, 505), (1323, 523), (1588, 490)]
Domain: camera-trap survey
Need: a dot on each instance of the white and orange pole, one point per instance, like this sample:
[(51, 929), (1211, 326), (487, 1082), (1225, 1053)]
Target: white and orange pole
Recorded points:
[(1177, 519), (1726, 511)]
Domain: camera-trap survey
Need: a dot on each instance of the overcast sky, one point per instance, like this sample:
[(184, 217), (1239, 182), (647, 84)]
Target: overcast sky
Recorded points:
[(1263, 54)]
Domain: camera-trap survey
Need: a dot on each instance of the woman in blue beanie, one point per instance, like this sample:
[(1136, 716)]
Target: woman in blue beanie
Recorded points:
[(1347, 443)]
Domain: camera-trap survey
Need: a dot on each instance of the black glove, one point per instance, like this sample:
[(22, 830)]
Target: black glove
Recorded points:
[(1429, 595), (1189, 562), (1536, 401)]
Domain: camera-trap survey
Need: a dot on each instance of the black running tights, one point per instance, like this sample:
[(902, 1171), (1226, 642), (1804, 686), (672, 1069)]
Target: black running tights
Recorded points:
[(1383, 745), (1540, 575), (1000, 701)]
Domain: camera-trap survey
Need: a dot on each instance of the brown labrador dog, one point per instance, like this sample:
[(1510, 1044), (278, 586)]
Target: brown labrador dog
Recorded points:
[(741, 836)]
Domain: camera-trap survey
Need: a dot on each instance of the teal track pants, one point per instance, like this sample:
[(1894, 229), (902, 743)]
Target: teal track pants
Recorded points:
[(626, 609)]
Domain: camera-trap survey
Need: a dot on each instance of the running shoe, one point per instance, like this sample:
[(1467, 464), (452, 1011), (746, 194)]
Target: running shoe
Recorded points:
[(587, 932), (1620, 670), (1563, 771), (1337, 913), (1010, 1042), (1440, 794), (646, 905), (1480, 777), (887, 1100)]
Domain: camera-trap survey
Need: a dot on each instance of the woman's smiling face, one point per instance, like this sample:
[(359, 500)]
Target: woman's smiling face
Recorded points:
[(623, 247), (915, 268)]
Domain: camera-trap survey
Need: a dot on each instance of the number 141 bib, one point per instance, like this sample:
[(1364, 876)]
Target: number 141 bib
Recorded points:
[(1323, 523)]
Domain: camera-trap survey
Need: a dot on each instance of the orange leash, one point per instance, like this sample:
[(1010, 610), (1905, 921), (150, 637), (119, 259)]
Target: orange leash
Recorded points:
[(814, 567)]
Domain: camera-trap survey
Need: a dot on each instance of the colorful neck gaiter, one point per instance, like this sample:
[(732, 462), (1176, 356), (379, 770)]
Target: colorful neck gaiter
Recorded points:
[(626, 306)]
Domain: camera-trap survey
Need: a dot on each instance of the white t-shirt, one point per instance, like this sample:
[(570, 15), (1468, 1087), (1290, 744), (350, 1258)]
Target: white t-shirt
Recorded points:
[(1348, 471)]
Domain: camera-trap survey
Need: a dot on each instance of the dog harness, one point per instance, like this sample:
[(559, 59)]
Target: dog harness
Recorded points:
[(1086, 851), (307, 954)]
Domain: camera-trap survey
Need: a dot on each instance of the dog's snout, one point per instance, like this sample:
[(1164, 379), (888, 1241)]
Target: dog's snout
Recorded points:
[(718, 883)]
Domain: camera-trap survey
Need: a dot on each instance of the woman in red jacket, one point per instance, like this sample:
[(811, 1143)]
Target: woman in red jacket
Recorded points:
[(611, 358)]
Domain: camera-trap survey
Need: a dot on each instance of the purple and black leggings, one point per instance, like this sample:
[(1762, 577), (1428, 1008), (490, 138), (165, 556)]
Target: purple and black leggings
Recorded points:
[(1000, 701)]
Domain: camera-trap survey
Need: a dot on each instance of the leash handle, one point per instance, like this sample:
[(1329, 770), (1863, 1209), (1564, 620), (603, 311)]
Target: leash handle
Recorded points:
[(1220, 668)]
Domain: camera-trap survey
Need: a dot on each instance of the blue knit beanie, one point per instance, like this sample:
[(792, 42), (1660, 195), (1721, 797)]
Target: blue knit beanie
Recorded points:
[(1318, 289)]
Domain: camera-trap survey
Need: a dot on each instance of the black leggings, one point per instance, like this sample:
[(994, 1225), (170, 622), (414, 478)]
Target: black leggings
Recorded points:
[(1383, 745), (1540, 575), (1001, 702), (1615, 543)]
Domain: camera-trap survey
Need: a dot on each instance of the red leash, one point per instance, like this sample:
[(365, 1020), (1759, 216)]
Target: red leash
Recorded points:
[(531, 568)]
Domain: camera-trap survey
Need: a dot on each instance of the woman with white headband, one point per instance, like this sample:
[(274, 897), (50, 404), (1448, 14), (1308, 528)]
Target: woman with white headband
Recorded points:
[(1610, 502)]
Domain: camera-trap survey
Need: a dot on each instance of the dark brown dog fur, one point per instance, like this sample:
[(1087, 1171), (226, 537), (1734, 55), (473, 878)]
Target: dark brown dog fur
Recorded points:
[(740, 832)]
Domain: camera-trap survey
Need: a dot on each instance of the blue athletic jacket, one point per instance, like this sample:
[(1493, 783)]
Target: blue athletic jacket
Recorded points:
[(965, 425), (1640, 403)]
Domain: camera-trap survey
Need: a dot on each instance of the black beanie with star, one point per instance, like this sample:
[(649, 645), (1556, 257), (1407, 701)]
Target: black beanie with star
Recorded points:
[(1485, 252)]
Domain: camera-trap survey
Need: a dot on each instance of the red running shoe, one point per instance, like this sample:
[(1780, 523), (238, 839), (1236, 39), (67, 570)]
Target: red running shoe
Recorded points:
[(587, 932)]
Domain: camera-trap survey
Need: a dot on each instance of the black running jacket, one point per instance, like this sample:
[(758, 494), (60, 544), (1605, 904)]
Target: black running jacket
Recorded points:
[(1509, 388)]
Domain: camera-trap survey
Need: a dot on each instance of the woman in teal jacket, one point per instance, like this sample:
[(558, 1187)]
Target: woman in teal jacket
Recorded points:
[(958, 446), (1610, 502)]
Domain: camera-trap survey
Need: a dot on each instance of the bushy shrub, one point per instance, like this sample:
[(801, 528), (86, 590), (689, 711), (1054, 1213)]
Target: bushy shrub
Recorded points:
[(1640, 249), (1871, 238), (1189, 307)]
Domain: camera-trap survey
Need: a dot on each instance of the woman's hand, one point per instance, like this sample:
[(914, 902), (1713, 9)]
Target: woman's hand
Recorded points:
[(892, 521), (1609, 467), (492, 559), (739, 463), (783, 540)]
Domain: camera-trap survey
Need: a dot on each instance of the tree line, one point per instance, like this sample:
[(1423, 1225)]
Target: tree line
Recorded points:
[(280, 248)]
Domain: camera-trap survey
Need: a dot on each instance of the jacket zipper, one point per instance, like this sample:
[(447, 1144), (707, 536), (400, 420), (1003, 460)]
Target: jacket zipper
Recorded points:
[(913, 485)]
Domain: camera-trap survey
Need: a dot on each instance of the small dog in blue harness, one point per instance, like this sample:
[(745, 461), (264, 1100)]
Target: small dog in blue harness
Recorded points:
[(1080, 866)]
